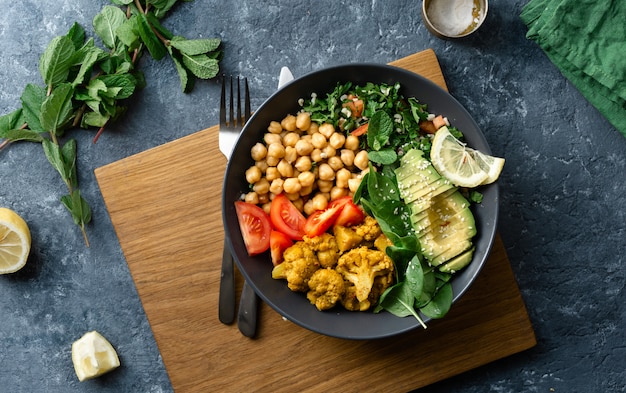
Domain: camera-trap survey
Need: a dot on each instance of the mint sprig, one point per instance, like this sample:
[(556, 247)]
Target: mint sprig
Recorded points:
[(86, 86)]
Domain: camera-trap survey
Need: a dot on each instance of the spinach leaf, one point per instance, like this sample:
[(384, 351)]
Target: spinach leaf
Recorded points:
[(440, 304)]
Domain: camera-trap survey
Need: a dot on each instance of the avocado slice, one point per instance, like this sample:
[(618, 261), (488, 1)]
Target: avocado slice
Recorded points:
[(459, 262)]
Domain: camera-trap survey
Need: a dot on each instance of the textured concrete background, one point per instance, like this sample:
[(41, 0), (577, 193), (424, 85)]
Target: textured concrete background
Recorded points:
[(562, 191)]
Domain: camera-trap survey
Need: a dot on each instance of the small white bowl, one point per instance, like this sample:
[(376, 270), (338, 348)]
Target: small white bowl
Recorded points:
[(454, 18)]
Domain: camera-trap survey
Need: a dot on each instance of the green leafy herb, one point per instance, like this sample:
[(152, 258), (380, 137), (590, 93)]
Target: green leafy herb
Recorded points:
[(86, 86)]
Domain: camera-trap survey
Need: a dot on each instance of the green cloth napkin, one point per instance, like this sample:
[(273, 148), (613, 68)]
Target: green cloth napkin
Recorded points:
[(586, 40)]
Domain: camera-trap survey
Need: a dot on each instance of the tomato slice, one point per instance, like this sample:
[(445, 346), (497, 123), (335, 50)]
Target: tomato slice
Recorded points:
[(321, 220), (279, 242), (255, 227), (361, 130), (351, 214), (286, 218)]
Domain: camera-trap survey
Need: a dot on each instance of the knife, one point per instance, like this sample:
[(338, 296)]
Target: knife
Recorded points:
[(248, 304)]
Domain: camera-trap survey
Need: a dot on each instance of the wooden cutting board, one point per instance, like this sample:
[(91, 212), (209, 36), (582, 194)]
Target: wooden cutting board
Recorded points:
[(165, 206)]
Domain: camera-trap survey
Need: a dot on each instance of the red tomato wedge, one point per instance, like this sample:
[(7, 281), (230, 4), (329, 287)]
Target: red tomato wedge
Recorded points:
[(279, 242), (255, 227), (286, 218), (321, 220), (351, 214)]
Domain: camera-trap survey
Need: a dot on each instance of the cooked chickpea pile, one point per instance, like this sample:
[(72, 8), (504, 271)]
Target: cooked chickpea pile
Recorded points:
[(311, 164)]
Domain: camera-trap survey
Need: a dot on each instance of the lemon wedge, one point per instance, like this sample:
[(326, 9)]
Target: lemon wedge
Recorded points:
[(93, 356), (14, 241), (463, 166)]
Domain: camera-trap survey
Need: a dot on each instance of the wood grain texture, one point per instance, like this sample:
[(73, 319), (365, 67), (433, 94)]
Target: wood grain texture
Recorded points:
[(165, 206)]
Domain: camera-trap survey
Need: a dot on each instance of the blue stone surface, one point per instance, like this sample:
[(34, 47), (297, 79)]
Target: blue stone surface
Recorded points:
[(563, 194)]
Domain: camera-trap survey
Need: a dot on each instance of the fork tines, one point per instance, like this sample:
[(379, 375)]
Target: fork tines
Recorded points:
[(231, 121)]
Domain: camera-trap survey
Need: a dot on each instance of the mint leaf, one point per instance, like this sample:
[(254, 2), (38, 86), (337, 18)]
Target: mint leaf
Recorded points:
[(195, 47), (94, 119), (186, 80), (125, 84), (155, 46), (379, 130), (32, 98), (201, 66), (56, 109), (89, 58), (383, 157), (106, 23), (54, 64), (76, 34), (128, 33)]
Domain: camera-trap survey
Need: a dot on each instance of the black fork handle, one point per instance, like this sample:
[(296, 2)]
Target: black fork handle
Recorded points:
[(227, 288)]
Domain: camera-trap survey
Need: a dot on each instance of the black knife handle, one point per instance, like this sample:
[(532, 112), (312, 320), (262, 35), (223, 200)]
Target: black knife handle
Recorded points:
[(227, 289), (248, 309)]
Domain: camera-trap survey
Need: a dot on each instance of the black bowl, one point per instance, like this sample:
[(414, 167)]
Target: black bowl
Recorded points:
[(257, 270)]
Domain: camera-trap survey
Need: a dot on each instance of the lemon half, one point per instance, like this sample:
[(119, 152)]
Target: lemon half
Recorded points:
[(463, 166), (14, 241)]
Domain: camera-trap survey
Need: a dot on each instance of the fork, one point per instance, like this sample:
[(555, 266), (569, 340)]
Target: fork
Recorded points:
[(230, 128)]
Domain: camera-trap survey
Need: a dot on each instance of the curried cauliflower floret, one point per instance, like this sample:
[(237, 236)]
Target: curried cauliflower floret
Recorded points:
[(369, 229), (326, 288), (362, 266), (299, 264), (325, 246), (351, 303), (346, 238)]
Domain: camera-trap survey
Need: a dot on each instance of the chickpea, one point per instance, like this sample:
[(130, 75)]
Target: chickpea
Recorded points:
[(290, 139), (306, 178), (252, 197), (270, 138), (292, 197), (258, 151), (291, 155), (328, 152), (337, 140), (276, 187), (326, 172), (266, 207), (264, 198), (316, 155), (303, 163), (298, 203), (335, 163), (320, 201), (289, 123), (272, 173), (304, 147), (292, 186), (360, 160), (304, 191), (253, 174), (353, 184), (327, 129), (285, 168), (275, 127), (352, 143), (276, 150), (314, 128), (318, 140), (308, 208), (343, 177), (303, 121), (261, 187), (324, 185), (262, 165), (272, 161), (338, 192), (347, 157)]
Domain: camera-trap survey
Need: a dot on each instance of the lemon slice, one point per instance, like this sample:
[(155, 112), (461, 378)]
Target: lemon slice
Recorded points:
[(14, 241), (492, 165), (93, 356), (463, 166)]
